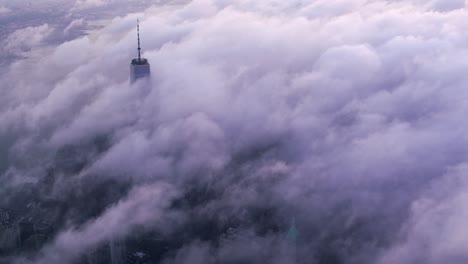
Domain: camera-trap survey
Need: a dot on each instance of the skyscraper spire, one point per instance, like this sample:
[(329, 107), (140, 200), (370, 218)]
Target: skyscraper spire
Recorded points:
[(139, 67), (138, 33), (293, 233)]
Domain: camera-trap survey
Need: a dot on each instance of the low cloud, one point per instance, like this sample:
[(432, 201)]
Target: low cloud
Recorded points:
[(143, 207), (347, 116), (4, 10), (25, 39), (86, 4), (77, 23)]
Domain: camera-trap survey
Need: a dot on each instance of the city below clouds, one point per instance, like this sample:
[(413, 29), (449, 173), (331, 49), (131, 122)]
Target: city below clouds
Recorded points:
[(323, 132)]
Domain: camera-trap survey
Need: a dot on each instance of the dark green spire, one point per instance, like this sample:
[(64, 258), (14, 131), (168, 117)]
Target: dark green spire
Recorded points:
[(292, 234)]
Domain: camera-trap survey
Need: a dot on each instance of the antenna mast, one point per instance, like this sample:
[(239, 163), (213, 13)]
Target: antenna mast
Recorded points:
[(138, 33)]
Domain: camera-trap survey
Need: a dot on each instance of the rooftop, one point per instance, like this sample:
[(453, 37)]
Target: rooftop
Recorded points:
[(141, 61)]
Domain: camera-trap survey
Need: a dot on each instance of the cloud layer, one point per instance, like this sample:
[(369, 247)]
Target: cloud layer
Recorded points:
[(347, 115)]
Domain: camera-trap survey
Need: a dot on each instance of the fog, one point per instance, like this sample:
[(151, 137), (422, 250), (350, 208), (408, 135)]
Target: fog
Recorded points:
[(346, 116)]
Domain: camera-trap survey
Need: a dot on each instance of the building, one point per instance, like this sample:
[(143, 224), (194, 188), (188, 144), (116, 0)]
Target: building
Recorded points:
[(139, 67), (9, 232), (118, 252), (35, 225), (9, 238)]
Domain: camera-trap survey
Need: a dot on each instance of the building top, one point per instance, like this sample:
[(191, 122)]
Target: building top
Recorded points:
[(140, 61)]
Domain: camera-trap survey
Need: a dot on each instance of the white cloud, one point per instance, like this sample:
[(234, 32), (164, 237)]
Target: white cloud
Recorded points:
[(436, 231), (27, 38), (362, 103), (4, 10), (86, 4), (144, 205), (75, 23)]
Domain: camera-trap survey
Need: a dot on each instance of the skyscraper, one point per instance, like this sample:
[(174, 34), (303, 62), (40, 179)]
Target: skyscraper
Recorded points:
[(139, 68), (9, 232), (118, 251)]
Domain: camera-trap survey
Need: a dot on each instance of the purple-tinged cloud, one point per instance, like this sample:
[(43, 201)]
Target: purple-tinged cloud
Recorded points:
[(346, 116)]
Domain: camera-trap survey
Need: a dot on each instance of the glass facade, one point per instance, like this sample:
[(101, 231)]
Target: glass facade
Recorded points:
[(139, 69)]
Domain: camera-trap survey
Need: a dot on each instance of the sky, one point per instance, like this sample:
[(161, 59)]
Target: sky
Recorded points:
[(347, 116)]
